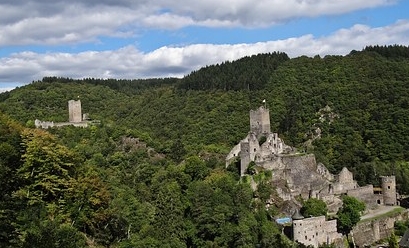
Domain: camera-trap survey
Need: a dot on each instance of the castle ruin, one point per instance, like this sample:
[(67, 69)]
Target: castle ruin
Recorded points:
[(251, 149), (75, 117), (316, 231), (297, 175), (74, 110)]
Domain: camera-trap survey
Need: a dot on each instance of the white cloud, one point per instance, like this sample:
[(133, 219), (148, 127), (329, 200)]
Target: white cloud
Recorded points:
[(129, 62), (56, 22)]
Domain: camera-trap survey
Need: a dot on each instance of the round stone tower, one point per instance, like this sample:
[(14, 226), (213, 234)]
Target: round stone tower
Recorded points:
[(389, 190)]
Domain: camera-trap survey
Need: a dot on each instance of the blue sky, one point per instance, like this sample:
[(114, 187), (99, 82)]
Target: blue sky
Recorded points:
[(164, 38)]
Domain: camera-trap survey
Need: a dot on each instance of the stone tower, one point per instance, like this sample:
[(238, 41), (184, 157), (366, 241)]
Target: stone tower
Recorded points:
[(389, 190), (74, 109), (260, 121)]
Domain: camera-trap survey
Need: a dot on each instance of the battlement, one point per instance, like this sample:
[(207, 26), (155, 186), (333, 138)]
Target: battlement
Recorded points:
[(388, 179)]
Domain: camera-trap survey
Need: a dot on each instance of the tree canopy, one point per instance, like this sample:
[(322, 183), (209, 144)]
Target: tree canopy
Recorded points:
[(314, 207), (152, 171), (349, 214)]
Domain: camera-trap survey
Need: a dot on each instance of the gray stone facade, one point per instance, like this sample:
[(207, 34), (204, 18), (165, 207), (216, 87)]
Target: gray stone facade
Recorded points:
[(316, 231), (368, 232)]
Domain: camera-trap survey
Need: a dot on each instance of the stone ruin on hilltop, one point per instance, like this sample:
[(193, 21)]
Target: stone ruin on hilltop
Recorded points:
[(76, 118), (297, 175)]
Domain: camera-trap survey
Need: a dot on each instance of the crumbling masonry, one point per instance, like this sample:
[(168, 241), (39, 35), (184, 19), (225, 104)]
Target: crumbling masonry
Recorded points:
[(299, 175)]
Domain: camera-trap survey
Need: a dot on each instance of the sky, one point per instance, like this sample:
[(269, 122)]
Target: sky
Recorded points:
[(133, 39)]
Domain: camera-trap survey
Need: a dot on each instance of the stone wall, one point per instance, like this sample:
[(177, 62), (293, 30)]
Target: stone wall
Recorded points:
[(232, 154), (365, 194), (368, 232), (324, 172), (75, 117), (345, 181), (315, 231), (49, 124)]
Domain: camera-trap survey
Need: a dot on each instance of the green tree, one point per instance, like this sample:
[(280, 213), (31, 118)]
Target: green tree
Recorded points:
[(50, 234), (46, 174), (196, 168), (392, 241), (10, 161), (401, 227), (349, 214), (314, 207), (47, 169), (169, 209)]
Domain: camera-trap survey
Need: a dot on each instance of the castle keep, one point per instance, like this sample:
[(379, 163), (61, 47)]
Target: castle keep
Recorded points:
[(249, 149), (74, 110)]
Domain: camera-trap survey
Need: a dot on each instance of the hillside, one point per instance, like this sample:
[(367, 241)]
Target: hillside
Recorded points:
[(196, 120)]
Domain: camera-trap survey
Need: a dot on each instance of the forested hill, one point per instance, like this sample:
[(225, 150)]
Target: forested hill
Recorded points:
[(248, 73), (359, 101), (367, 89)]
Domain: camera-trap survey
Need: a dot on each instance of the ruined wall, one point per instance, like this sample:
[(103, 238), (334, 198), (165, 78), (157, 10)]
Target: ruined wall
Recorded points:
[(345, 176), (43, 124), (272, 145), (75, 117), (345, 182), (249, 148), (368, 232), (49, 124), (315, 231), (365, 194), (324, 172), (244, 157), (233, 154)]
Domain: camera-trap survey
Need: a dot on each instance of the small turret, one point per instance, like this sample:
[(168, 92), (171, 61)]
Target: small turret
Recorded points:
[(389, 190), (297, 215)]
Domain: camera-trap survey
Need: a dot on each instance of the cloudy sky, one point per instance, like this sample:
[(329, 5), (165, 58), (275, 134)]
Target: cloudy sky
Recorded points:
[(170, 38)]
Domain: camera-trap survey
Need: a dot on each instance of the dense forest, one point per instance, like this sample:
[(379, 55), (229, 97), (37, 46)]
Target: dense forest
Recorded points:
[(151, 173)]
